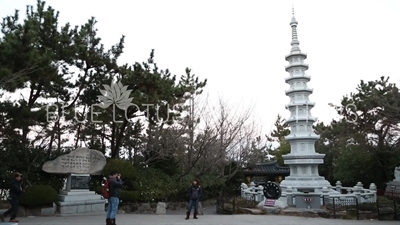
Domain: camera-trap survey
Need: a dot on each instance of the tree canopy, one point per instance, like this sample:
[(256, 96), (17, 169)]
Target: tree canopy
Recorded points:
[(51, 77)]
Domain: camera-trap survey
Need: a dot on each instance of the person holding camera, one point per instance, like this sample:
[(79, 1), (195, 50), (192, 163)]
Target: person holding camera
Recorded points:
[(16, 190), (115, 185)]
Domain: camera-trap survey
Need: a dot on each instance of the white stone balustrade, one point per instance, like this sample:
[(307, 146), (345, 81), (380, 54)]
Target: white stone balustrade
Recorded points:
[(338, 186), (252, 192), (363, 195), (289, 196)]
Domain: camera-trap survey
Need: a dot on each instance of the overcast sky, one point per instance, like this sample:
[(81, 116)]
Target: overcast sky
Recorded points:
[(239, 46)]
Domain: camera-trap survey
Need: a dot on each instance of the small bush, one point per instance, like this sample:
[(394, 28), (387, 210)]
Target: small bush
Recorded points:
[(125, 168), (129, 196), (155, 185), (349, 215), (245, 203), (126, 196), (38, 196), (367, 206), (98, 190)]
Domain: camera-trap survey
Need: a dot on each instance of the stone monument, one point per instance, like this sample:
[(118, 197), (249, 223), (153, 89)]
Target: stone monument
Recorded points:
[(397, 174), (272, 192), (393, 187), (78, 165), (302, 159)]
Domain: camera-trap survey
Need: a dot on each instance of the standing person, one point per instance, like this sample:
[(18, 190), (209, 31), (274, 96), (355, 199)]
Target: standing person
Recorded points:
[(195, 192), (115, 185), (15, 191)]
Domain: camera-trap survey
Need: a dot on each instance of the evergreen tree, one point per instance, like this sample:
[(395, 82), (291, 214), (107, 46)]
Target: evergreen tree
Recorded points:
[(278, 136)]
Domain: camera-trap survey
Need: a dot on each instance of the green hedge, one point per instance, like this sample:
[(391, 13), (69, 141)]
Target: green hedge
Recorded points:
[(39, 196), (98, 190), (155, 185), (126, 196), (125, 168), (130, 196), (128, 173)]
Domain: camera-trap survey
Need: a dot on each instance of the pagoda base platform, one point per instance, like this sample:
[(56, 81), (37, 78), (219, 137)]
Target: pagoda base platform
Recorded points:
[(306, 184), (80, 202)]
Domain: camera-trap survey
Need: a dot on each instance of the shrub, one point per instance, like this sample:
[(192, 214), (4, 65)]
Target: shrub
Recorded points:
[(210, 183), (130, 196), (367, 206), (125, 168), (98, 190), (126, 196), (154, 184), (38, 196)]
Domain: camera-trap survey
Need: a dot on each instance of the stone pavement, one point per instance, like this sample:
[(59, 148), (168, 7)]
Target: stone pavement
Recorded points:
[(141, 219)]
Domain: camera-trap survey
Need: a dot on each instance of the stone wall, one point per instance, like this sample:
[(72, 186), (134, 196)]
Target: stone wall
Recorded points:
[(24, 212), (150, 208)]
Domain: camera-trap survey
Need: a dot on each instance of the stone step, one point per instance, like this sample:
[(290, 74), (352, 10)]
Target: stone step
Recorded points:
[(76, 198), (96, 206), (78, 193)]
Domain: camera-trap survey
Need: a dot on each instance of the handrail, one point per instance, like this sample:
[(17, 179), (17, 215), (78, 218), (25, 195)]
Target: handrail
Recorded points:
[(362, 194)]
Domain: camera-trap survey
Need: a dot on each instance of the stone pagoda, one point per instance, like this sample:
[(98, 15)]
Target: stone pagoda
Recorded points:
[(302, 159)]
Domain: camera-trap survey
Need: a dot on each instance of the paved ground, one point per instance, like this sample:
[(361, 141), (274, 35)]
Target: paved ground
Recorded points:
[(140, 219)]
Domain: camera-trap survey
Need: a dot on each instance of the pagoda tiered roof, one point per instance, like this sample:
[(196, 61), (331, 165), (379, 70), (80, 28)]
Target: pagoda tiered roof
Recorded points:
[(270, 168)]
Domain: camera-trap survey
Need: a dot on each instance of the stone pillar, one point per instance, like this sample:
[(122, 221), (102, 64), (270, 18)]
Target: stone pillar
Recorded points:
[(252, 190), (289, 196), (357, 192), (373, 188), (200, 209), (162, 208), (252, 186), (396, 174), (339, 186), (393, 187), (359, 184), (260, 193), (325, 195), (243, 189)]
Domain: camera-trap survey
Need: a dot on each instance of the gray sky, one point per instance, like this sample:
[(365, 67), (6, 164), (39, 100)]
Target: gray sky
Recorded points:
[(239, 46)]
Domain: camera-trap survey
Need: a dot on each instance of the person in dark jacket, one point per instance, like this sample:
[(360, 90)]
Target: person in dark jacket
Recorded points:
[(195, 192), (15, 191), (115, 185)]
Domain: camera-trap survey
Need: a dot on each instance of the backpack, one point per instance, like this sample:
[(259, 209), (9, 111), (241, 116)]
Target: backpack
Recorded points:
[(105, 190)]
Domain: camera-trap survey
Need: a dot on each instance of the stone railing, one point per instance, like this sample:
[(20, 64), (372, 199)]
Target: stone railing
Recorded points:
[(253, 192), (4, 194), (346, 195), (362, 194)]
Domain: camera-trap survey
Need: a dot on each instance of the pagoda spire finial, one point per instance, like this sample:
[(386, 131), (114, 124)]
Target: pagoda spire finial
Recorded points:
[(295, 42)]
